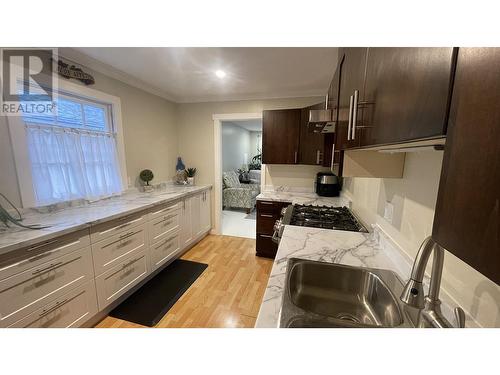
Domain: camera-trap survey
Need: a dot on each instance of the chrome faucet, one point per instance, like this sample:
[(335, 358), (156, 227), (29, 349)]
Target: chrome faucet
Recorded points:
[(430, 314)]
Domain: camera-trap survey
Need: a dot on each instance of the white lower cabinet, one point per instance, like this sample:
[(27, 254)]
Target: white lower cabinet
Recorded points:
[(195, 215), (115, 249), (164, 250), (66, 281), (118, 280), (205, 212), (186, 227), (26, 292), (70, 310)]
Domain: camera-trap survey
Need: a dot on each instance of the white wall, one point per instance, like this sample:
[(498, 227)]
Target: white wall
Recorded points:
[(235, 146), (149, 129), (298, 176), (414, 199), (255, 143)]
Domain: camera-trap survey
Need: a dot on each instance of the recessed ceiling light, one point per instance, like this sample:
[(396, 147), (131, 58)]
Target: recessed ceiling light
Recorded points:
[(220, 73)]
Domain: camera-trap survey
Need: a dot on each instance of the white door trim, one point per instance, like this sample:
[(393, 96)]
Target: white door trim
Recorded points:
[(218, 118)]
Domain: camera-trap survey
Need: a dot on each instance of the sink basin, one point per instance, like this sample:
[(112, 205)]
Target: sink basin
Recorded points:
[(319, 294)]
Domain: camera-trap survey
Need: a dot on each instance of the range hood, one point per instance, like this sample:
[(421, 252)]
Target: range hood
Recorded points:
[(321, 120)]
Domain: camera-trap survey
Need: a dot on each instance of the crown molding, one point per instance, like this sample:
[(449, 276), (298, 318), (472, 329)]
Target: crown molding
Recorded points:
[(81, 59)]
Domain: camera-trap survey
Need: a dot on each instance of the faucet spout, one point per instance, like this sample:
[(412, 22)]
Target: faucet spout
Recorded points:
[(413, 293)]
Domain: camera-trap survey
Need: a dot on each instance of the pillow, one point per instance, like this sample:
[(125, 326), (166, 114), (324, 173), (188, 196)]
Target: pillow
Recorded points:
[(231, 180)]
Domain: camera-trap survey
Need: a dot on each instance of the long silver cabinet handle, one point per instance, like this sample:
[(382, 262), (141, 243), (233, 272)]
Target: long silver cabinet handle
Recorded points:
[(130, 262), (52, 265), (351, 102), (333, 156), (266, 215), (58, 304), (354, 114), (34, 247), (164, 242), (128, 234), (169, 217)]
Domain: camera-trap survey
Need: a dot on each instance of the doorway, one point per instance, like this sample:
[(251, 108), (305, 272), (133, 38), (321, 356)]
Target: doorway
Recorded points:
[(238, 178)]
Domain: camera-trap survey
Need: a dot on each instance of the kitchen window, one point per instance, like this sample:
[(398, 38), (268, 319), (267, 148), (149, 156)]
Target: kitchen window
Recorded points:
[(74, 153)]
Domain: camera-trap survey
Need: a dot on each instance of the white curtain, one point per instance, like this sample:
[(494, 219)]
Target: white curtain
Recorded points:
[(72, 164)]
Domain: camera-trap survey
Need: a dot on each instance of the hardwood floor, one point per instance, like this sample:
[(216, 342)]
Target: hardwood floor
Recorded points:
[(227, 294)]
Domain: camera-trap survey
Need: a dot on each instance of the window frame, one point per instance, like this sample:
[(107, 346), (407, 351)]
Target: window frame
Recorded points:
[(20, 148)]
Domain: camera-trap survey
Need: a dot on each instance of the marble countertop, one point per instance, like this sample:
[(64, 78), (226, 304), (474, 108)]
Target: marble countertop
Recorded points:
[(332, 246), (307, 198), (71, 219)]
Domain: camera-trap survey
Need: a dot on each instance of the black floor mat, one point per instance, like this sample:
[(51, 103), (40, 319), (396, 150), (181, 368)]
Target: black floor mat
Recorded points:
[(152, 301)]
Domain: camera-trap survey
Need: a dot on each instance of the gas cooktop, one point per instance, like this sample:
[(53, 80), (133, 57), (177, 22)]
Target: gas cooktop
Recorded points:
[(340, 218)]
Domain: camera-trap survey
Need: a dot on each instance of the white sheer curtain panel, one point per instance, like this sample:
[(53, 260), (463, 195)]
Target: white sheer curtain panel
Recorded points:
[(70, 164)]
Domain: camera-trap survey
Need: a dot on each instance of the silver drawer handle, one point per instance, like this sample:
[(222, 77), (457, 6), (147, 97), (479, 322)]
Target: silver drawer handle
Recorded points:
[(127, 235), (52, 265), (129, 263), (165, 223), (268, 203), (31, 248), (169, 217), (265, 235), (167, 240), (58, 304), (266, 215)]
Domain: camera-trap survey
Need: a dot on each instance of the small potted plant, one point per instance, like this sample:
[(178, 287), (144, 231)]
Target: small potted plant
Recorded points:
[(190, 175), (146, 175)]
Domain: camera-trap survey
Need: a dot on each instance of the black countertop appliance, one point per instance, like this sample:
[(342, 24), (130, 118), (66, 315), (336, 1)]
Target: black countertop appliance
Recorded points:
[(327, 184)]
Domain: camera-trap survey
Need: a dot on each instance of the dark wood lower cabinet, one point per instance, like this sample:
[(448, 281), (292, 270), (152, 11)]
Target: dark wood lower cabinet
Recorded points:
[(267, 214), (467, 219)]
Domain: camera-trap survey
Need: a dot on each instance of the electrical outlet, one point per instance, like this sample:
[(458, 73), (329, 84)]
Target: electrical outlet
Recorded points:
[(389, 212)]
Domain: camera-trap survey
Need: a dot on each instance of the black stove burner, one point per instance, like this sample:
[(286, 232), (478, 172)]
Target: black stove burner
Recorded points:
[(325, 217)]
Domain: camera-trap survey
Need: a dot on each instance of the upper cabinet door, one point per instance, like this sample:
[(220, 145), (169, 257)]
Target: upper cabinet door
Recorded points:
[(280, 136), (406, 94), (467, 219), (352, 81)]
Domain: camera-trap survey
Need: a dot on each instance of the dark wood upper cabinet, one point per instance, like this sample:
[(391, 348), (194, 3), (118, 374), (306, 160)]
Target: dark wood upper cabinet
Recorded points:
[(280, 136), (393, 95), (407, 91), (352, 65), (467, 219)]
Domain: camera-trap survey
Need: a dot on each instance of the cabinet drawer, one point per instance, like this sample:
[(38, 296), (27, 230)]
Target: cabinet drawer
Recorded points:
[(162, 226), (265, 247), (33, 256), (26, 292), (164, 250), (163, 210), (271, 206), (115, 249), (105, 230), (71, 310), (119, 279), (266, 221)]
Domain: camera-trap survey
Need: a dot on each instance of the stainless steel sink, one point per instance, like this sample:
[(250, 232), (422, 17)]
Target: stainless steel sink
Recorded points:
[(319, 294)]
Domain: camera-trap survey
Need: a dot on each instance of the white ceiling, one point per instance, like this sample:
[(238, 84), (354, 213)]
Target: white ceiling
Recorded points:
[(250, 125), (187, 74)]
